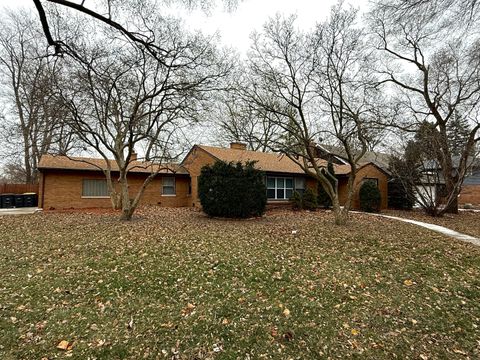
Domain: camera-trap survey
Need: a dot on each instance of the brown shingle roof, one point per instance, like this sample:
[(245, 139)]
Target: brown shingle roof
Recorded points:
[(272, 162), (95, 164)]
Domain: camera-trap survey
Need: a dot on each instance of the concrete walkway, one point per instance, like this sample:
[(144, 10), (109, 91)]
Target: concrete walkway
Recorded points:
[(469, 210), (437, 228), (19, 211)]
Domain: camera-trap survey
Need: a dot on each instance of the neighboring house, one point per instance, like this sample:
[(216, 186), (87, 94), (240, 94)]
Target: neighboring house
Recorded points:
[(433, 184), (470, 193), (66, 183)]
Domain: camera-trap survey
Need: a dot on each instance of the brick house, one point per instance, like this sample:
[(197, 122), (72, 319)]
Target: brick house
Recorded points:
[(470, 193), (73, 183)]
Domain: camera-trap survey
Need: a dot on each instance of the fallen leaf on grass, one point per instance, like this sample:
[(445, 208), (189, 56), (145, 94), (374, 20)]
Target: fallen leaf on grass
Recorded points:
[(274, 332), (168, 325), (287, 336), (286, 312), (408, 282), (65, 345), (187, 310)]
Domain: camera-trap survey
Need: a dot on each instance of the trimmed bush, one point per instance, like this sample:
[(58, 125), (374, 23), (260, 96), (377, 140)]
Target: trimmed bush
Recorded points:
[(370, 197), (400, 195), (309, 200), (232, 190), (296, 201), (323, 198), (306, 201)]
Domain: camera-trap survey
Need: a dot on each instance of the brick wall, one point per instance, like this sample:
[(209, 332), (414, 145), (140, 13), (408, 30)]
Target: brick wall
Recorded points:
[(368, 171), (63, 190), (195, 160), (470, 194)]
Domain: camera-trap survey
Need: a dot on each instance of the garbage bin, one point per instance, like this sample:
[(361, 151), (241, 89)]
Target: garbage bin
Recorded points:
[(8, 200), (30, 200), (19, 200)]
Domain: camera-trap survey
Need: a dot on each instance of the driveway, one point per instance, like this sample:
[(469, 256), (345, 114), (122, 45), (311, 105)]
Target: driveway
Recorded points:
[(19, 211)]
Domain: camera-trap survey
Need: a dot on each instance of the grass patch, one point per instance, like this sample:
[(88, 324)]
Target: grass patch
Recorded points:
[(175, 284)]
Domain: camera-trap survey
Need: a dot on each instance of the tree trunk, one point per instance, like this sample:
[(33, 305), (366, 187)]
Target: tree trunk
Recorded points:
[(127, 209), (452, 207), (116, 200), (341, 215)]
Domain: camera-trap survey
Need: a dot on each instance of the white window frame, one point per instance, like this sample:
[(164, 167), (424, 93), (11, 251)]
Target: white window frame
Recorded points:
[(284, 188), (107, 196), (169, 185)]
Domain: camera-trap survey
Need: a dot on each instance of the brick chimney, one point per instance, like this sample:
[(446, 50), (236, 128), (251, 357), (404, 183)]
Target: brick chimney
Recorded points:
[(238, 146)]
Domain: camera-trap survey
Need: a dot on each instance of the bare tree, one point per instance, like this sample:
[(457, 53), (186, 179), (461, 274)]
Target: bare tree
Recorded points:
[(418, 171), (116, 15), (435, 70), (122, 100), (345, 85), (237, 119), (447, 12), (34, 123), (316, 85)]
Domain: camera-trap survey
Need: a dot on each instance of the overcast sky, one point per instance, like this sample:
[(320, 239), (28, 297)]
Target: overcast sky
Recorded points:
[(235, 27)]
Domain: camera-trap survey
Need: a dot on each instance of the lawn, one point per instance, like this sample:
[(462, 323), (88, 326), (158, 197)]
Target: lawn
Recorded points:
[(174, 284)]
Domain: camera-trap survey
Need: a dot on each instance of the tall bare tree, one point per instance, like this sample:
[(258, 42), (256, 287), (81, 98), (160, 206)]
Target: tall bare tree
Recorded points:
[(316, 85), (434, 67), (117, 16), (34, 122), (123, 100), (448, 12), (236, 118)]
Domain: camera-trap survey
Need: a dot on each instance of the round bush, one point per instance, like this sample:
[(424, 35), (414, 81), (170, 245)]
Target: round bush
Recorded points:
[(323, 199), (370, 197), (296, 201), (232, 190), (309, 200), (400, 195)]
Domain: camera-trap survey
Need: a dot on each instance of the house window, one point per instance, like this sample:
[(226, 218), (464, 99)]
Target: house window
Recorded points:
[(279, 188), (168, 185), (300, 184), (94, 188)]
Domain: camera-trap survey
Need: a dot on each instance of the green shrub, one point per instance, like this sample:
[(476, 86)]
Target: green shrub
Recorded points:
[(309, 200), (370, 197), (296, 200), (306, 201), (323, 199), (400, 195), (232, 190)]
